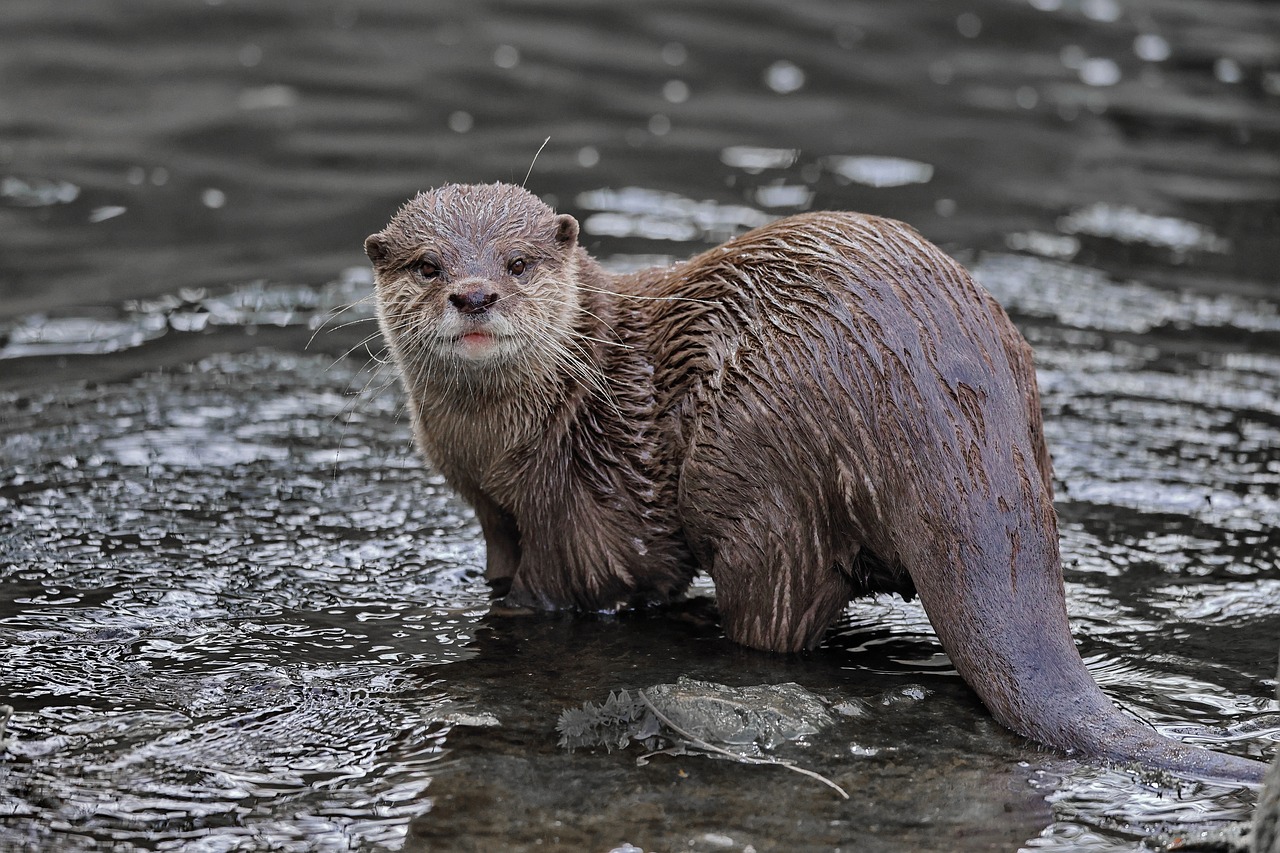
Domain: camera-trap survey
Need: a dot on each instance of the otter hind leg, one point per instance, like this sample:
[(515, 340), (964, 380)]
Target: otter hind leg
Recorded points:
[(772, 598), (767, 547)]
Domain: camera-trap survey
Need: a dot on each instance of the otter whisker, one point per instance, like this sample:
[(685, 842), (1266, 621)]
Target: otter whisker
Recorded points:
[(334, 313), (584, 337), (536, 155), (579, 307), (348, 324), (641, 298), (356, 399), (365, 344), (577, 363)]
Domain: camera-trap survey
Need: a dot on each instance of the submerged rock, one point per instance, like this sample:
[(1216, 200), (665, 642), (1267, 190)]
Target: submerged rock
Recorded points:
[(745, 720)]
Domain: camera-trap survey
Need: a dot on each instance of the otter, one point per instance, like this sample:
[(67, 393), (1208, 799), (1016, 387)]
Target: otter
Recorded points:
[(825, 407)]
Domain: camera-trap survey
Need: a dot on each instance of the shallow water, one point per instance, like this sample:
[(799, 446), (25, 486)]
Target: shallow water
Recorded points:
[(237, 614)]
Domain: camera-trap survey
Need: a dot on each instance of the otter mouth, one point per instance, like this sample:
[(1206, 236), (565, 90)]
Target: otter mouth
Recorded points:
[(481, 338), (475, 344)]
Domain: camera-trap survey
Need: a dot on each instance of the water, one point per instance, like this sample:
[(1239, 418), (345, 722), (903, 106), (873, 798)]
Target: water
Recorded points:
[(237, 614)]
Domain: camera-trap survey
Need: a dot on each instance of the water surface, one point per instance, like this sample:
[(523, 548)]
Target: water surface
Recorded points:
[(237, 614)]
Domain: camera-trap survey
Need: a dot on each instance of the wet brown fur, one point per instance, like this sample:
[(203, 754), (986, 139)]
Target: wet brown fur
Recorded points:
[(825, 407)]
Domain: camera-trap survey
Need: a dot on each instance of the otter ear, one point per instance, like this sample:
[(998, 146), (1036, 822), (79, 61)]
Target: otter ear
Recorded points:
[(566, 229), (375, 246)]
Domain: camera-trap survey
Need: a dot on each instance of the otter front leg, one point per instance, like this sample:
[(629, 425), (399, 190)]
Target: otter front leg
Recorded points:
[(501, 542)]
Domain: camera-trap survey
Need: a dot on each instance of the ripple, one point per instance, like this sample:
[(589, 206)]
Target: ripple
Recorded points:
[(1130, 225), (253, 752), (37, 192), (1084, 298), (138, 322), (754, 160), (876, 171), (653, 215)]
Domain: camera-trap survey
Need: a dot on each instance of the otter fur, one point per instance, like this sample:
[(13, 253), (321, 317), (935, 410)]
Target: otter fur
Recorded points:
[(825, 407)]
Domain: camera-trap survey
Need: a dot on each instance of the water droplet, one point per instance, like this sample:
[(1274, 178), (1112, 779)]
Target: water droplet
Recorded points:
[(506, 56), (1026, 97), (1046, 245), (38, 192), (659, 125), (1151, 47), (880, 171), (588, 156), (1105, 11), (1228, 70), (969, 25), (676, 91), (784, 195), (250, 55), (1099, 71), (755, 160), (674, 53), (213, 198), (784, 77), (460, 121), (944, 207)]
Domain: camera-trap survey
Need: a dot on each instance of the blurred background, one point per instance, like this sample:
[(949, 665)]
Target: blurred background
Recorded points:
[(238, 615), (151, 146)]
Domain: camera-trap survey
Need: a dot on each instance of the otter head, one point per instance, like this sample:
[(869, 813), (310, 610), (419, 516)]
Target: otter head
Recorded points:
[(470, 277)]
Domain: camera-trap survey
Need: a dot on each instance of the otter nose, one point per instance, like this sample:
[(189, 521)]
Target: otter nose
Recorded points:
[(474, 301)]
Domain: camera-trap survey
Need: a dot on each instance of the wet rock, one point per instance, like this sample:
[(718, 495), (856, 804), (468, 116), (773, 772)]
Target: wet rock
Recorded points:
[(1265, 837), (1261, 835), (1266, 823), (6, 711), (742, 719)]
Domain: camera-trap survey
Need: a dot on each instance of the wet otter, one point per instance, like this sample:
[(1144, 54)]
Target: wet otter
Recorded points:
[(825, 407)]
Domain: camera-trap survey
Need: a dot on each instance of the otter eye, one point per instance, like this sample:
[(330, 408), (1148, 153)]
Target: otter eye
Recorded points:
[(426, 270), (517, 266)]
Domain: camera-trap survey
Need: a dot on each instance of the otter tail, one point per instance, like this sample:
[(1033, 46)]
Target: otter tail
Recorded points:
[(1003, 622), (1110, 735)]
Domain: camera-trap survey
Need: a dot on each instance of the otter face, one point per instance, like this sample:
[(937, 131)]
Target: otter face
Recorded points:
[(474, 276)]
